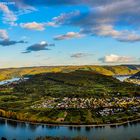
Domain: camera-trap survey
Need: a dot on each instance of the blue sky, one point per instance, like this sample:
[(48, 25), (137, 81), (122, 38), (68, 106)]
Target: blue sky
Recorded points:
[(63, 32)]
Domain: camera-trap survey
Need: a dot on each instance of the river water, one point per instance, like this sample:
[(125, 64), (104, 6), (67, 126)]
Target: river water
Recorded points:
[(123, 77), (24, 131), (12, 80), (9, 81)]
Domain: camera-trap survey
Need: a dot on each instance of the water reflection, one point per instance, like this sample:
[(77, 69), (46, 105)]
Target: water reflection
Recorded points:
[(24, 131), (2, 122), (3, 138), (74, 128), (87, 128), (70, 128), (113, 126), (134, 123), (32, 127), (78, 128), (22, 125), (52, 127), (11, 123), (125, 125)]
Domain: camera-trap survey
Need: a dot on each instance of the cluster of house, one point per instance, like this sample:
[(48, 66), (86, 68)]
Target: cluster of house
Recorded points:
[(109, 105), (48, 103), (112, 111), (135, 81)]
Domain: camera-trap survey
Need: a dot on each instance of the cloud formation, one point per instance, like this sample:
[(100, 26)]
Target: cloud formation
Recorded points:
[(38, 47), (8, 42), (103, 18), (5, 41), (33, 26), (8, 15), (37, 26), (65, 18), (69, 35), (63, 2), (109, 31), (3, 34), (80, 55), (113, 58)]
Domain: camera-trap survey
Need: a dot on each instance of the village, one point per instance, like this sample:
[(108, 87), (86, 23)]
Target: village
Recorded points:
[(104, 106)]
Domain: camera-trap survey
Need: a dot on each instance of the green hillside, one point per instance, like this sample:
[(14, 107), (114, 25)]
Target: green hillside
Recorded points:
[(76, 84), (76, 97)]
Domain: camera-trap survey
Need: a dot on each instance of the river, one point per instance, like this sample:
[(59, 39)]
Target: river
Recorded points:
[(12, 80), (122, 77), (24, 131)]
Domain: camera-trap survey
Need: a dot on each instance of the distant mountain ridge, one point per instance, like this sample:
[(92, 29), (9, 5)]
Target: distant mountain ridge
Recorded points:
[(134, 67), (103, 69)]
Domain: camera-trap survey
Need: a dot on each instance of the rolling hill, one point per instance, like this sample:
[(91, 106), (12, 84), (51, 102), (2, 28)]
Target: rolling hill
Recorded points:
[(78, 83), (106, 70)]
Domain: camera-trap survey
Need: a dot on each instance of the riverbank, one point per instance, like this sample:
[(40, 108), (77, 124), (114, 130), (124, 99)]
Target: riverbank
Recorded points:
[(72, 125)]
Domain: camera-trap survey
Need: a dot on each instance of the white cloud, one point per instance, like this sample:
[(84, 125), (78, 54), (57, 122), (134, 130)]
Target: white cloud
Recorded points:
[(65, 16), (43, 42), (69, 35), (56, 21), (109, 31), (113, 58), (9, 16), (114, 13), (127, 36), (3, 34), (106, 30), (51, 24), (43, 45), (33, 26), (80, 55)]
